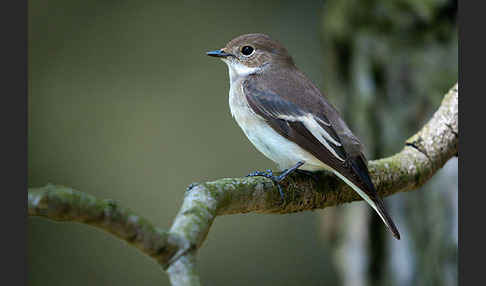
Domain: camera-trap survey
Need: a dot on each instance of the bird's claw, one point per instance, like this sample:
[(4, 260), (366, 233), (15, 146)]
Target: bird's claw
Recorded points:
[(269, 175)]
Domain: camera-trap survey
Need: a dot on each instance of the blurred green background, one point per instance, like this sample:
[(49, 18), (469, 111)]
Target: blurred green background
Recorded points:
[(124, 104)]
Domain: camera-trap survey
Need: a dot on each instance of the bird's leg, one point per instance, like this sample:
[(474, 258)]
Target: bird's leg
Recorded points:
[(277, 179)]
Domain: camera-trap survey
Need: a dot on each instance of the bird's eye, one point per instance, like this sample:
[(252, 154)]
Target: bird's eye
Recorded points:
[(247, 50)]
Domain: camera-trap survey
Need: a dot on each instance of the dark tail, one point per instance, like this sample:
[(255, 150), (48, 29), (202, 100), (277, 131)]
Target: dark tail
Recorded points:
[(369, 194), (380, 208)]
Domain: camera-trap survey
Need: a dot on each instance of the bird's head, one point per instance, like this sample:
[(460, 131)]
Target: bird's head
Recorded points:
[(250, 53)]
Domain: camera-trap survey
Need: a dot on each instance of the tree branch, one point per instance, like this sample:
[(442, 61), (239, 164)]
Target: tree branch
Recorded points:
[(423, 155), (61, 203)]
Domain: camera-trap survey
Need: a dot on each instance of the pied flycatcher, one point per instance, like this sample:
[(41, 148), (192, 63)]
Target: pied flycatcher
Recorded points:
[(287, 119)]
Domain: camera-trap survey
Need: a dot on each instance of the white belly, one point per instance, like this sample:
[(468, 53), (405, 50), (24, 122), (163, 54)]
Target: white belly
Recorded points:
[(274, 146)]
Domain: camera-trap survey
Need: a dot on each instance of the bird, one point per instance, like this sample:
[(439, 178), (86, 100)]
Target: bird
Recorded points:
[(286, 117)]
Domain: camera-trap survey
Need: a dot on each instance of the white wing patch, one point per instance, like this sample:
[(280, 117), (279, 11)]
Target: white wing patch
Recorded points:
[(322, 121), (316, 130), (321, 134)]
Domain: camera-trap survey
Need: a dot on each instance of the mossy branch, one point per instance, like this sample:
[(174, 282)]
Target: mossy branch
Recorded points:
[(61, 203), (423, 155)]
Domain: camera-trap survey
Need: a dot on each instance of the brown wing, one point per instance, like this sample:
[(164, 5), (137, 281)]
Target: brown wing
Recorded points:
[(312, 131), (297, 125)]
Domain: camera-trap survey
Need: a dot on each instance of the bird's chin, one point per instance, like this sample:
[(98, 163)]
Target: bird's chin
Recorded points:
[(238, 70)]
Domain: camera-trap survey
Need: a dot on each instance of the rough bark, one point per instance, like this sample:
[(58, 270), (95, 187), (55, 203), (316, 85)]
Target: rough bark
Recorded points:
[(423, 155)]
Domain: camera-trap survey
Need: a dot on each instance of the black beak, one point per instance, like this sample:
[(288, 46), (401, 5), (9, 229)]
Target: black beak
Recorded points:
[(218, 54)]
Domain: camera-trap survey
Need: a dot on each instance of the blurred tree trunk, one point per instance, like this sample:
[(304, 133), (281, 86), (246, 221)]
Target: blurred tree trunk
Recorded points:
[(387, 64)]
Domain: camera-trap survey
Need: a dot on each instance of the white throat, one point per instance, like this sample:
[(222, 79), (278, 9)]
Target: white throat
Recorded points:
[(238, 71)]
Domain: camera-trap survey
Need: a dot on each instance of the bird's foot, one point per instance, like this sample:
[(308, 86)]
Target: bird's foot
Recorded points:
[(277, 179), (269, 175)]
